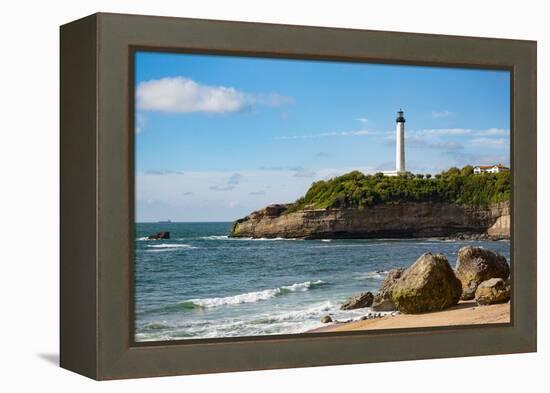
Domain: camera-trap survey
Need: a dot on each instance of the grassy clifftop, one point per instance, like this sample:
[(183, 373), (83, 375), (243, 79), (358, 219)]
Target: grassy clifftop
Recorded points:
[(357, 190)]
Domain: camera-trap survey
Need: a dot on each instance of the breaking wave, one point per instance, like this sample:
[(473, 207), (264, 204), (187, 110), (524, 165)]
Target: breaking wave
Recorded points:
[(226, 237), (167, 245), (251, 297)]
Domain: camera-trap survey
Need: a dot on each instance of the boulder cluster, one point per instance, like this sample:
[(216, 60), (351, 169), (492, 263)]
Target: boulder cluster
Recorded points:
[(427, 285), (475, 265), (430, 284)]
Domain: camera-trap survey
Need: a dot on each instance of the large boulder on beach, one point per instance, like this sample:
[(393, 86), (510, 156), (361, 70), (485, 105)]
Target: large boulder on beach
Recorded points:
[(477, 264), (383, 299), (360, 301), (492, 291), (427, 285)]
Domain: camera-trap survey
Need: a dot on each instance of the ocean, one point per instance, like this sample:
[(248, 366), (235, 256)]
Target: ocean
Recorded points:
[(202, 284)]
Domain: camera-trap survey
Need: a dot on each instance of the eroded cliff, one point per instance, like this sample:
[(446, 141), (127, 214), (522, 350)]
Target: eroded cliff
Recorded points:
[(406, 220)]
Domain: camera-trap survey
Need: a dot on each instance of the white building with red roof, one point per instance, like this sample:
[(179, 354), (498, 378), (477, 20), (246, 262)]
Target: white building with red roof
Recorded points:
[(498, 168)]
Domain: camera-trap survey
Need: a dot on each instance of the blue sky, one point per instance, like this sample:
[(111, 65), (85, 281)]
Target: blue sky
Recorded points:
[(220, 136)]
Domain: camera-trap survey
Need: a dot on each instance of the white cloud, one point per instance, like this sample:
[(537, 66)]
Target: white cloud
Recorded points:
[(199, 196), (327, 134), (490, 143), (443, 132), (184, 95), (493, 132), (439, 138), (222, 187), (299, 171), (427, 143), (234, 178), (462, 158), (350, 133), (362, 120), (234, 205), (441, 114), (229, 184), (304, 172), (163, 172), (436, 132), (427, 133)]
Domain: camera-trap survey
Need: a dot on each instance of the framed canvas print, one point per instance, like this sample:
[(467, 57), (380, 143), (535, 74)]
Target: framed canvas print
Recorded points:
[(240, 196)]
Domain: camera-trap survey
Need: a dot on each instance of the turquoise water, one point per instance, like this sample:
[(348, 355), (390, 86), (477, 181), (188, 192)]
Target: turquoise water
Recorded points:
[(202, 284)]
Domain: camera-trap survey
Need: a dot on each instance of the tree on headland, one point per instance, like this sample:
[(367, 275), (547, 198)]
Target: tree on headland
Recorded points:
[(467, 170), (357, 190)]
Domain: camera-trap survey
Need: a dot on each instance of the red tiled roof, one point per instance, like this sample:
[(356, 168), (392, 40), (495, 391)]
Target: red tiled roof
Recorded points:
[(491, 166)]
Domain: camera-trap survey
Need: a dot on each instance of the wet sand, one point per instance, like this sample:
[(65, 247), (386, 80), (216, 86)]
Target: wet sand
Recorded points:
[(464, 313)]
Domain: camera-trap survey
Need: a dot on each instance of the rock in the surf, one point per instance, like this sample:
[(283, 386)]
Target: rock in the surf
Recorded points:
[(159, 235), (383, 299), (360, 301), (492, 291), (326, 319), (475, 265), (427, 285)]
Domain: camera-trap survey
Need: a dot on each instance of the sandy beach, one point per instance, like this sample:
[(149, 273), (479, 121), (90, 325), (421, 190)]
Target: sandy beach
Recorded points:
[(464, 313)]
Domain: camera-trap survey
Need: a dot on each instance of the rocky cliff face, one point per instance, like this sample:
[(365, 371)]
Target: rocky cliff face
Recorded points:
[(501, 226), (380, 221)]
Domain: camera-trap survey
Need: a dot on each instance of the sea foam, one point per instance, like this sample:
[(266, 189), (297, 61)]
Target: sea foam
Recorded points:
[(252, 297), (226, 237), (167, 245), (377, 274)]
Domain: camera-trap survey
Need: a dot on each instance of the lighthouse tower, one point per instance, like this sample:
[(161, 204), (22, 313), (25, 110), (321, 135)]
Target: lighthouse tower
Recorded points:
[(400, 142), (399, 146)]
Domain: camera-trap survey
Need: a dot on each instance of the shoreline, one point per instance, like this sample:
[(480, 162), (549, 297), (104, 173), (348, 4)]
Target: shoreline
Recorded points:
[(464, 313), (459, 237)]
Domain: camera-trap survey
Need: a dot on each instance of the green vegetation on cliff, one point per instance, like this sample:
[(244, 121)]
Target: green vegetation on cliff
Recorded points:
[(357, 190)]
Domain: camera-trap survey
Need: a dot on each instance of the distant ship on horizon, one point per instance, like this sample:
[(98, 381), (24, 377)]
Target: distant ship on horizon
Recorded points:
[(164, 222)]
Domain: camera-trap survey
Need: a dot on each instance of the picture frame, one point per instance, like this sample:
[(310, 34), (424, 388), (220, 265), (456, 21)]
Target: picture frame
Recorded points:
[(97, 196)]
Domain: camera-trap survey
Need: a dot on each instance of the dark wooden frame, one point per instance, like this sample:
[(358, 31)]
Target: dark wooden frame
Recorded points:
[(97, 178)]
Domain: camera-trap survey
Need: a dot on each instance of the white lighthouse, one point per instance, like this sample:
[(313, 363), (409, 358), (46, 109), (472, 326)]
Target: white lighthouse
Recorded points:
[(399, 146), (400, 142)]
